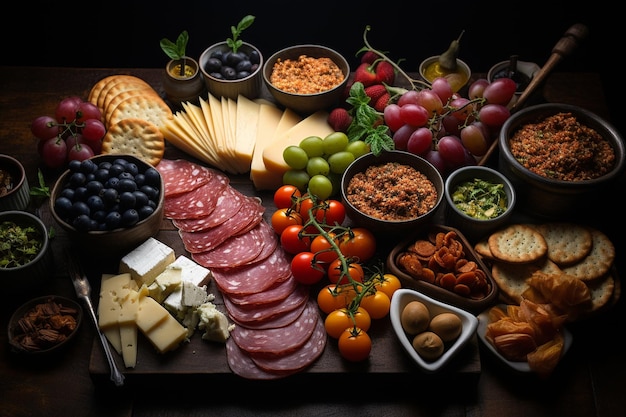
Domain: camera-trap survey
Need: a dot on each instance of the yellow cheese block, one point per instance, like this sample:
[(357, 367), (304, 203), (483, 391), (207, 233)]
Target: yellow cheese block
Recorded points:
[(128, 340), (165, 283), (314, 125), (149, 314), (167, 335)]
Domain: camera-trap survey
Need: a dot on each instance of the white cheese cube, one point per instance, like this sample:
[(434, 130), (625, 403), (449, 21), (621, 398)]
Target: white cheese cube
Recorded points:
[(147, 261)]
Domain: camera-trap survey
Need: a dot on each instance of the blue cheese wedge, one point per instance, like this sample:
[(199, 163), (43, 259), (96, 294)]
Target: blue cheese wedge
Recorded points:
[(147, 261), (191, 272), (214, 323)]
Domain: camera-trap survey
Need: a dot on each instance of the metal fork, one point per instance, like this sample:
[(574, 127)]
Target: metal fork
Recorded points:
[(83, 292)]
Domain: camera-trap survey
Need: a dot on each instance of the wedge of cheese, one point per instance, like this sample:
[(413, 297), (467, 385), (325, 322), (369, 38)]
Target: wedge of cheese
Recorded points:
[(314, 125)]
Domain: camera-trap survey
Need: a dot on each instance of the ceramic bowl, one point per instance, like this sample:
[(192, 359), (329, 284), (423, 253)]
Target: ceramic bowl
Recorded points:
[(553, 198), (20, 276), (527, 69), (472, 227), (183, 88), (391, 227), (474, 303), (249, 86), (65, 313), (305, 104), (429, 69), (116, 242), (14, 189), (469, 322)]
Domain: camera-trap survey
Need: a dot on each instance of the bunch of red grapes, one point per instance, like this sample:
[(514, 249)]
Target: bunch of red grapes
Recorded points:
[(447, 129), (75, 132)]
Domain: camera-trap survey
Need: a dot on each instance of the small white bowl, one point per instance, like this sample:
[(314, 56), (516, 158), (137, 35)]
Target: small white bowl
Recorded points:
[(404, 296)]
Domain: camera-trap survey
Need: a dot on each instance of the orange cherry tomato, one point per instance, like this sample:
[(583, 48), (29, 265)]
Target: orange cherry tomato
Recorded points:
[(354, 345), (332, 297), (336, 276), (360, 244), (339, 320), (284, 217), (322, 248), (387, 283), (376, 304)]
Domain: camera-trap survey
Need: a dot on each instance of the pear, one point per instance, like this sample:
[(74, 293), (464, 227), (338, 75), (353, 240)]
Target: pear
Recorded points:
[(447, 60)]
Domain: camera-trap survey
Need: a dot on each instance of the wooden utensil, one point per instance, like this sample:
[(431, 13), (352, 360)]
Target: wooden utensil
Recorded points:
[(565, 46)]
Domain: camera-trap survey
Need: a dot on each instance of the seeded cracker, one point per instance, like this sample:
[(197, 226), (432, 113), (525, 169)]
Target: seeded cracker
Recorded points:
[(598, 262), (136, 137), (517, 243), (511, 278), (568, 243)]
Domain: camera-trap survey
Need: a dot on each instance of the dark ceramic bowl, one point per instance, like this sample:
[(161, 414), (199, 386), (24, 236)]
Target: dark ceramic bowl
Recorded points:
[(305, 104), (17, 279), (111, 243), (474, 228), (14, 189), (391, 227), (552, 198), (56, 317)]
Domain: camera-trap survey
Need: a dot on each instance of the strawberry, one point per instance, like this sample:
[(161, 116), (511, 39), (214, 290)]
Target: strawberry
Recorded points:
[(374, 92), (339, 119), (382, 102), (385, 73), (369, 57), (364, 75)]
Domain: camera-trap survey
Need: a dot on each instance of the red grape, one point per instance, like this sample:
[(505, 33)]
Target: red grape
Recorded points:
[(408, 97), (441, 86), (474, 138), (451, 150), (500, 91), (493, 115), (66, 109), (414, 114), (392, 117), (401, 136), (94, 130), (430, 101), (44, 127), (420, 141), (477, 88), (88, 110), (80, 152), (54, 152)]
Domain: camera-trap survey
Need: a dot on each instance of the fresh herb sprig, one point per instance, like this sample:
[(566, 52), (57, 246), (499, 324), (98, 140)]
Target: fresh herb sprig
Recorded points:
[(235, 43), (176, 50)]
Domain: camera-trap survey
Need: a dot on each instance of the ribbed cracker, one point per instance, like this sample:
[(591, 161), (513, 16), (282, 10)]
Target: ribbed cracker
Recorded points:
[(568, 243), (511, 278), (137, 137), (150, 108), (97, 88), (517, 243), (120, 82), (115, 99), (599, 260)]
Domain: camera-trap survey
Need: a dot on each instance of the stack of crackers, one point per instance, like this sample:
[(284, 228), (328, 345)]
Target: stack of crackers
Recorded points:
[(133, 114), (554, 249)]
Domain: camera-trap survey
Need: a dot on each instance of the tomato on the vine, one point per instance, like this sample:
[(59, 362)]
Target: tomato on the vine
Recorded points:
[(284, 217), (330, 212), (305, 205), (287, 196), (359, 244), (305, 269), (355, 344), (335, 274), (339, 320), (292, 242), (387, 283), (376, 304), (332, 297), (322, 248)]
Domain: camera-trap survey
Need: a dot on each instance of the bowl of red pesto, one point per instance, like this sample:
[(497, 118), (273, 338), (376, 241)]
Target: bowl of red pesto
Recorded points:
[(393, 193), (562, 159)]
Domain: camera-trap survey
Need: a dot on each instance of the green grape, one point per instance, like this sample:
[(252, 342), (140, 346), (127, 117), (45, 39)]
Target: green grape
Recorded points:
[(317, 165), (339, 161), (296, 177), (335, 142), (295, 157), (358, 148), (320, 186), (313, 146)]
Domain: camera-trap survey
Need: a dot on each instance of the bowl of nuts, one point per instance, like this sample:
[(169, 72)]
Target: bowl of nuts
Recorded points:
[(44, 325), (306, 78)]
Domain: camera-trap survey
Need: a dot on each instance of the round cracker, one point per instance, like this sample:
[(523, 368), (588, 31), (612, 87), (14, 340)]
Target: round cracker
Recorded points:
[(511, 278), (568, 243), (601, 291), (96, 90), (517, 243), (123, 94), (148, 107), (136, 137), (127, 80), (599, 260)]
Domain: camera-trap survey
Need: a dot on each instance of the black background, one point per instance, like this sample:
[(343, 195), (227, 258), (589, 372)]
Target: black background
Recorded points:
[(119, 34)]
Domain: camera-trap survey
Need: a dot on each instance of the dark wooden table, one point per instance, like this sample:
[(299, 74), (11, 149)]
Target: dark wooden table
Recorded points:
[(590, 380)]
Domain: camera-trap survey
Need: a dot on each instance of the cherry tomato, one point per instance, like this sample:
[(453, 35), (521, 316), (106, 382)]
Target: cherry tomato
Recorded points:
[(287, 196), (330, 212), (323, 249), (336, 277), (332, 297), (305, 270), (361, 245), (292, 242), (387, 283), (305, 205), (339, 320), (376, 304), (355, 345), (284, 217)]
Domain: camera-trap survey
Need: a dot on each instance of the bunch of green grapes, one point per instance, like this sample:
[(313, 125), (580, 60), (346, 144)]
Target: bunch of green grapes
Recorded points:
[(317, 164)]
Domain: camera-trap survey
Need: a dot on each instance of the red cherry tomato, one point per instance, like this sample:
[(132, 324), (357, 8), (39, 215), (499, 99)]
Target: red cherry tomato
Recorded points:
[(292, 242), (287, 196), (336, 277), (330, 212), (322, 248), (284, 217), (305, 269), (360, 244)]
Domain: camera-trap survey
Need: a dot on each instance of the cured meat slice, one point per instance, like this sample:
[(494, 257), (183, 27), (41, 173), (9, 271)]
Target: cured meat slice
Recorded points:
[(235, 251), (228, 202), (242, 364), (256, 314), (299, 359), (278, 341), (256, 216), (198, 202), (279, 320), (180, 176), (206, 240), (276, 292), (270, 240), (256, 277)]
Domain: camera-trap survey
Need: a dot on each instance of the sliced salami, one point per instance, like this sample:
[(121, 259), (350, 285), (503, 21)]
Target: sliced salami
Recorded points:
[(235, 251), (229, 202), (270, 242), (242, 364), (278, 341), (278, 320), (256, 277), (199, 202), (278, 291), (180, 176), (256, 314), (299, 359)]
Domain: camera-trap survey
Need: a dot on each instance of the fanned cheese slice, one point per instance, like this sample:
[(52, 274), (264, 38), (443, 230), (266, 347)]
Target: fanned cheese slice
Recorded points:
[(246, 131), (269, 119)]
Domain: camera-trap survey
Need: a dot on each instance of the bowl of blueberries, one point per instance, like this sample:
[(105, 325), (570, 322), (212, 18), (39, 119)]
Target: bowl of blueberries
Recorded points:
[(108, 204)]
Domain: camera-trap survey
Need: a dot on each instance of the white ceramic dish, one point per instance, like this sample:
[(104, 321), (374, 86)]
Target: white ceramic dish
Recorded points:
[(483, 321), (404, 296)]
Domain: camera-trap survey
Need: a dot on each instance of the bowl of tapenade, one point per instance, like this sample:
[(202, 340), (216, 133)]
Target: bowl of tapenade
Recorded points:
[(393, 193), (562, 159)]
